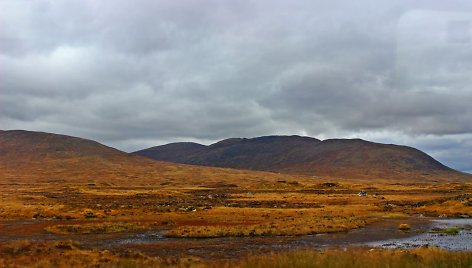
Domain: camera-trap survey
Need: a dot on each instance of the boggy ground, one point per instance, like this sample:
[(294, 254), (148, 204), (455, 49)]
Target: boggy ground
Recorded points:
[(220, 209), (68, 254)]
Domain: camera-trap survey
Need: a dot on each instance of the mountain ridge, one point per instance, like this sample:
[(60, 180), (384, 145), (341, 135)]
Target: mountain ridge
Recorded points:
[(29, 157), (41, 156), (298, 155)]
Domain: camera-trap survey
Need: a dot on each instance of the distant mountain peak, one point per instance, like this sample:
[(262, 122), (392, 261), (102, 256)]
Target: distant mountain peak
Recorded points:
[(28, 157), (349, 158), (41, 156)]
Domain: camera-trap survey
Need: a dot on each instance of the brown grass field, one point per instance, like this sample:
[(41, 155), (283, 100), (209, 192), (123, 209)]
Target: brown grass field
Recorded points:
[(69, 202), (225, 209), (69, 254), (279, 205)]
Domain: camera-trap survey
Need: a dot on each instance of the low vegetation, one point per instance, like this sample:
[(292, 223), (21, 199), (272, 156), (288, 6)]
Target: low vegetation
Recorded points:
[(287, 226), (95, 228), (83, 204), (223, 208), (448, 231), (405, 227), (363, 258), (198, 211), (70, 254)]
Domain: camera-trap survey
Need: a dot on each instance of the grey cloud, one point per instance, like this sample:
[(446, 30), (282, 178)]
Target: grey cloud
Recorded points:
[(134, 73), (453, 150)]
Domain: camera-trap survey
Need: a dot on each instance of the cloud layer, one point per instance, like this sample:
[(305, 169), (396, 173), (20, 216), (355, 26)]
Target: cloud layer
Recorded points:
[(139, 73)]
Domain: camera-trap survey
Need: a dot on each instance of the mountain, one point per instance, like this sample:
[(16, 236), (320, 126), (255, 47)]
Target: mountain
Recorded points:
[(346, 158), (174, 152), (39, 157), (54, 157)]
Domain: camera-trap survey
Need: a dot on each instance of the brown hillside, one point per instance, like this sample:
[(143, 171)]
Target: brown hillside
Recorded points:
[(346, 158), (38, 157)]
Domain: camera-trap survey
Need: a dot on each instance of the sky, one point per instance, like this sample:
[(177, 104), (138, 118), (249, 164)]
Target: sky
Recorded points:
[(139, 73)]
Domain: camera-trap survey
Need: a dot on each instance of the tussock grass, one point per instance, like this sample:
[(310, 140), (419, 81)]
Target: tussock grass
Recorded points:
[(448, 231), (69, 254), (450, 208), (94, 228), (451, 231), (405, 227), (362, 258), (291, 209), (286, 226)]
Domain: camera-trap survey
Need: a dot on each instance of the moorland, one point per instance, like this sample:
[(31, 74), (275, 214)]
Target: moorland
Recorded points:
[(67, 201)]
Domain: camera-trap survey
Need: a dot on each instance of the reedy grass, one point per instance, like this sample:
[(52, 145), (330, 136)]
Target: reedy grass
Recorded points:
[(69, 254), (94, 228), (361, 258)]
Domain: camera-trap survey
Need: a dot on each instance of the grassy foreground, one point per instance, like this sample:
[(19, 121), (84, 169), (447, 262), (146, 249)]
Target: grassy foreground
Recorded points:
[(265, 209), (363, 258), (69, 254), (224, 209)]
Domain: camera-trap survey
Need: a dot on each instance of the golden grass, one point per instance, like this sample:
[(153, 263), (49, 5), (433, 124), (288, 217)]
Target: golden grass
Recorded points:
[(97, 228), (293, 227), (405, 227), (450, 208), (362, 258), (65, 254), (202, 211), (266, 222), (70, 254), (79, 194)]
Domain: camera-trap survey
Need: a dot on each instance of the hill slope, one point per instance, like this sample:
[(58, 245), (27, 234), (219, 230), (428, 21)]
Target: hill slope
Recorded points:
[(348, 158), (46, 156), (27, 157)]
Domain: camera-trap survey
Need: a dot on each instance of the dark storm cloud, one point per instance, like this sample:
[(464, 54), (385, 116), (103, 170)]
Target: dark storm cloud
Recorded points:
[(139, 73)]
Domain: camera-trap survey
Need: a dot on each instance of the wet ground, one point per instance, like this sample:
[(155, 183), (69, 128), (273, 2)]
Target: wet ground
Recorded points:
[(383, 233), (435, 236)]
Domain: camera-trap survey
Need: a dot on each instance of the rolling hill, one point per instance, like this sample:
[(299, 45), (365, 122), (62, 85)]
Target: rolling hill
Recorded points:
[(346, 158), (27, 156), (39, 157)]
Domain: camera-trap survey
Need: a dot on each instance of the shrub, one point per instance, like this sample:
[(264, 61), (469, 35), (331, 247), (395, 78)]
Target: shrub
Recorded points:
[(451, 231), (404, 227)]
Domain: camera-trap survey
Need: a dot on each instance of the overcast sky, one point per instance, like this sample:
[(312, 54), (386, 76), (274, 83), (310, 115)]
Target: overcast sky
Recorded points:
[(138, 73)]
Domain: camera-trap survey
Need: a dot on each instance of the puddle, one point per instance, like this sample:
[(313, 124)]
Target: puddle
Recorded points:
[(458, 242), (141, 237)]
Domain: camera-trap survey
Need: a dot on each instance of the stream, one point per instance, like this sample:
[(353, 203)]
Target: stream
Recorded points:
[(462, 241), (382, 234)]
